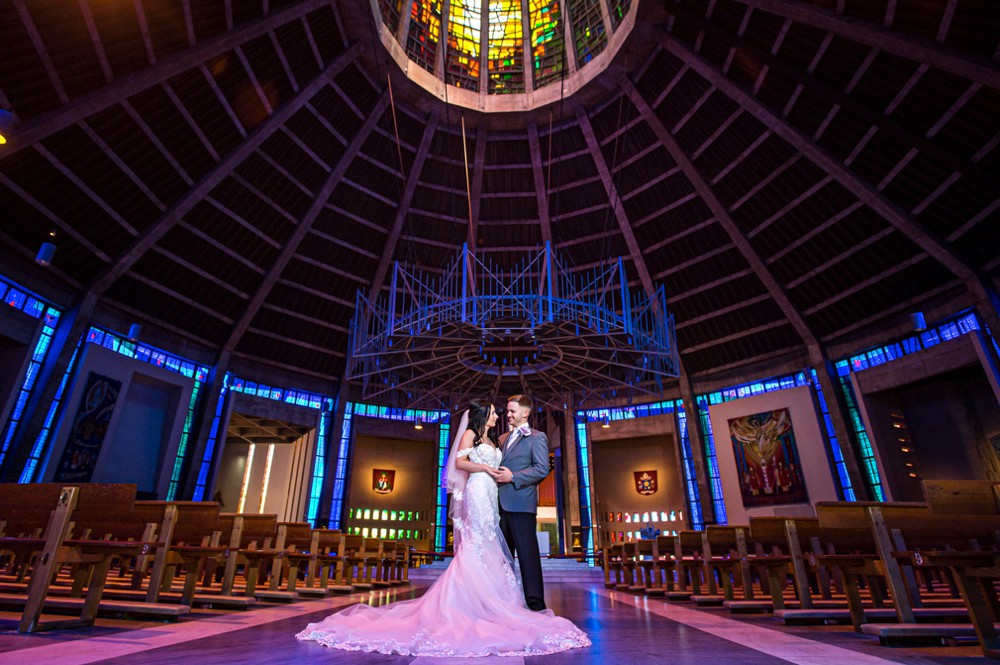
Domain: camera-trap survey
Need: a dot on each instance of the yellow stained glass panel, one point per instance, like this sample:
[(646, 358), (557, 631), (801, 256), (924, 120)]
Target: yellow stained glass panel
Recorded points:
[(465, 22)]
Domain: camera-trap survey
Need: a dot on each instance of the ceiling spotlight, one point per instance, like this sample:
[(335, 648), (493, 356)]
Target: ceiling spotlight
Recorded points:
[(606, 423), (134, 331), (418, 423), (45, 253)]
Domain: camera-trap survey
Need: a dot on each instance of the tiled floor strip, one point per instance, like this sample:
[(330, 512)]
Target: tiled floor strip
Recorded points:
[(156, 635), (798, 650)]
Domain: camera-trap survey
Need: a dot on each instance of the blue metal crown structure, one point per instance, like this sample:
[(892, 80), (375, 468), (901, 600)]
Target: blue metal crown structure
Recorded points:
[(478, 331)]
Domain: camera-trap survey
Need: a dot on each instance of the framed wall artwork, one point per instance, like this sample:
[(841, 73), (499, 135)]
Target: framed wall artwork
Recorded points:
[(767, 459)]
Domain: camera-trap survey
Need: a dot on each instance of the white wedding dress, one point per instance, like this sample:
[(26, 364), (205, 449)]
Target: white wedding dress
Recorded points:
[(476, 607)]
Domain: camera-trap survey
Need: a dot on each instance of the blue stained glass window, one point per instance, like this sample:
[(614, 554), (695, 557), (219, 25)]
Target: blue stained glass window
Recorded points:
[(15, 298), (711, 458), (340, 474), (33, 306), (836, 455), (213, 435), (441, 509), (583, 470), (690, 476)]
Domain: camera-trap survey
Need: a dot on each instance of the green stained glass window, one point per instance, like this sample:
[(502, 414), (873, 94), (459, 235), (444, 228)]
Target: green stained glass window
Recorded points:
[(547, 57), (619, 8), (588, 30)]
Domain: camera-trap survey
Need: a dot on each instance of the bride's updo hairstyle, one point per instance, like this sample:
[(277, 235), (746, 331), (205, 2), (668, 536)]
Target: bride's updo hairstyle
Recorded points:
[(479, 412)]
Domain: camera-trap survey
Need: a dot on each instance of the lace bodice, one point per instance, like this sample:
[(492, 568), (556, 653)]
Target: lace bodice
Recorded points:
[(484, 453), (480, 514)]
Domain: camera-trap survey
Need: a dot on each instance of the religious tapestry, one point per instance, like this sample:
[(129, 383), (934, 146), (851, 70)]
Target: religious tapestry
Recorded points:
[(90, 426), (383, 480), (645, 482), (767, 459)]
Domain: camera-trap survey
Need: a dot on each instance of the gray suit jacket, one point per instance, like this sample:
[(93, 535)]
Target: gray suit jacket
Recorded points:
[(528, 460)]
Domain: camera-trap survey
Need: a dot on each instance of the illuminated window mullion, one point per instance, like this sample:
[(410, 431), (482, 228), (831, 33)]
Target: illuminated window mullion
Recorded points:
[(246, 479), (267, 477)]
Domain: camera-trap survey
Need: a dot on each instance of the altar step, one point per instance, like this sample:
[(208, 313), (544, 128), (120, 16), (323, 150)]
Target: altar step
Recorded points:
[(553, 570)]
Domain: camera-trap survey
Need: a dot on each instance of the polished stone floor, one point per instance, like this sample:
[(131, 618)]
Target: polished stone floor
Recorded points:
[(624, 628)]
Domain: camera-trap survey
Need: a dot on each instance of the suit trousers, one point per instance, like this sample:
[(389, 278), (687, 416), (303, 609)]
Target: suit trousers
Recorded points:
[(519, 532)]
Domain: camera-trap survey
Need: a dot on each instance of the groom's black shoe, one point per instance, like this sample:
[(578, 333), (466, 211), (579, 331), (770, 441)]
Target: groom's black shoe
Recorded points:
[(536, 607)]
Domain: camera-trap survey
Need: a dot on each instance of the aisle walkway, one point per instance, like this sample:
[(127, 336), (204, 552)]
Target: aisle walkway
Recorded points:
[(624, 628)]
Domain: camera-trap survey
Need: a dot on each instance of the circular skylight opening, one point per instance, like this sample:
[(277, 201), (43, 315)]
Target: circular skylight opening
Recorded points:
[(503, 55)]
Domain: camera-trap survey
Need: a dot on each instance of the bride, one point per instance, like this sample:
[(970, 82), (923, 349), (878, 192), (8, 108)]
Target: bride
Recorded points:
[(476, 607)]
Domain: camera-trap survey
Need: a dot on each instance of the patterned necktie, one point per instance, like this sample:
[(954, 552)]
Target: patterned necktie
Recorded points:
[(519, 432)]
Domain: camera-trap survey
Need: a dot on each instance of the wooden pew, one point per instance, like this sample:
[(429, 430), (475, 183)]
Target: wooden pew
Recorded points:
[(976, 574), (725, 549), (962, 497), (189, 538), (403, 553), (345, 559), (952, 542), (381, 568), (422, 552), (690, 562), (249, 543), (631, 569), (651, 563), (392, 564), (666, 548), (325, 557), (883, 534), (85, 509), (294, 544), (779, 546), (860, 527), (612, 555), (360, 559), (25, 510)]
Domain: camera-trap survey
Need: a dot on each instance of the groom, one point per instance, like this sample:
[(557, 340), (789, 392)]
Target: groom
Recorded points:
[(525, 463)]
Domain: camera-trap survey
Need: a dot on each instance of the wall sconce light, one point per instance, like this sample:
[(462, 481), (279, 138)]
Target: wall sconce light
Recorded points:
[(606, 423), (48, 248), (418, 423), (134, 331)]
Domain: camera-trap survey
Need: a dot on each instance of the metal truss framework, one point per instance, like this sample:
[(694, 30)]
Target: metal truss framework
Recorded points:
[(476, 330)]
